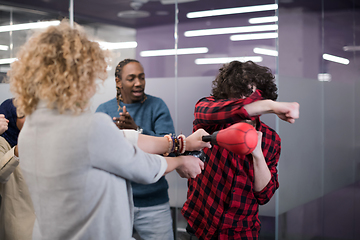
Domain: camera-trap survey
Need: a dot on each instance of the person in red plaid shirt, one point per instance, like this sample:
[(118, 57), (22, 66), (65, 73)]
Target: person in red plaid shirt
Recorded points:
[(223, 201)]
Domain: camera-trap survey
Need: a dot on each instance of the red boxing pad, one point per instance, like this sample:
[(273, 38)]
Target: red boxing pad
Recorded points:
[(240, 138)]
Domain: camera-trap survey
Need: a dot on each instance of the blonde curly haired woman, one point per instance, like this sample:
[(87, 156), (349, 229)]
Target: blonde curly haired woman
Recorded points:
[(77, 164)]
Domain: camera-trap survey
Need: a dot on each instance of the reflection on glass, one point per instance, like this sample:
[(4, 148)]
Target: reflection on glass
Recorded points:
[(229, 11), (28, 26)]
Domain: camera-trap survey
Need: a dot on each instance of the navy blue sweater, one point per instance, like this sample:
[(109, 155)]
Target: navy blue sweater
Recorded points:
[(154, 118)]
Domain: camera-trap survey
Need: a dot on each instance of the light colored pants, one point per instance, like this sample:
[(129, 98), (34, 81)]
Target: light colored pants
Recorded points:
[(153, 223)]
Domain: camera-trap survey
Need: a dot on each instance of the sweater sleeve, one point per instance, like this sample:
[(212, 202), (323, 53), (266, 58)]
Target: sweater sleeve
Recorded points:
[(101, 108), (8, 162), (112, 152)]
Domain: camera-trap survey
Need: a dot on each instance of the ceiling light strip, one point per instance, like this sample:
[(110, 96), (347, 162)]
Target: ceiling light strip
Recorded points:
[(7, 60), (230, 30), (336, 59), (117, 45), (228, 11), (265, 51), (168, 52), (263, 20), (202, 61), (324, 77), (4, 47), (28, 26), (351, 48), (254, 36)]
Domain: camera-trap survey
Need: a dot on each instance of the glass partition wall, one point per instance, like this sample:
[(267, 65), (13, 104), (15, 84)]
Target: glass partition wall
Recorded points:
[(313, 49), (319, 169)]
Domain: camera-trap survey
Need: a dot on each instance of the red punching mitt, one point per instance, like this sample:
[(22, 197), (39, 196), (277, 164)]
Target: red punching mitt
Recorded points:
[(240, 138)]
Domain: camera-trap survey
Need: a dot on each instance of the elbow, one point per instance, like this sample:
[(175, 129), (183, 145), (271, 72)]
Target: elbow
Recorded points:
[(263, 201)]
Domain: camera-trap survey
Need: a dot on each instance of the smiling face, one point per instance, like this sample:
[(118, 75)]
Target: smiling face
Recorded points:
[(132, 83)]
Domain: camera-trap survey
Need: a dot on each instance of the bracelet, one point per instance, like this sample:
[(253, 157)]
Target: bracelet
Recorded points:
[(182, 140), (170, 144), (174, 146), (177, 145)]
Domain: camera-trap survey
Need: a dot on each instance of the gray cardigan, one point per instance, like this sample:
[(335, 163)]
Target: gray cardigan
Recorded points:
[(78, 168)]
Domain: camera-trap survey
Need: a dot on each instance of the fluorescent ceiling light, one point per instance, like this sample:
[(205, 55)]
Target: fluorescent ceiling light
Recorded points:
[(263, 19), (254, 36), (174, 1), (324, 77), (201, 61), (167, 52), (227, 11), (4, 47), (265, 51), (117, 45), (7, 60), (27, 26), (351, 48), (336, 59), (230, 30)]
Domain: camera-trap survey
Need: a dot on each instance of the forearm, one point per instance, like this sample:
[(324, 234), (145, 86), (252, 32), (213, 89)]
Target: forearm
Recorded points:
[(161, 145), (186, 166), (151, 144), (286, 111), (209, 111), (172, 164), (262, 174), (259, 107)]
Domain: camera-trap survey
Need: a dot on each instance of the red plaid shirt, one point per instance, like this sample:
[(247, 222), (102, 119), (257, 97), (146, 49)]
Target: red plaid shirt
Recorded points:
[(221, 202)]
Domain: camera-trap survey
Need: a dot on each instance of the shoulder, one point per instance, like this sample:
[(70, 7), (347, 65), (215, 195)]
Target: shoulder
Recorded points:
[(109, 104), (152, 98), (155, 102), (207, 99), (100, 117), (101, 125)]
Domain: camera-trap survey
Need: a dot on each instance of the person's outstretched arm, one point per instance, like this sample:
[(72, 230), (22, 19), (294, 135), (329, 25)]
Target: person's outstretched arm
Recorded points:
[(186, 166), (287, 111), (160, 145)]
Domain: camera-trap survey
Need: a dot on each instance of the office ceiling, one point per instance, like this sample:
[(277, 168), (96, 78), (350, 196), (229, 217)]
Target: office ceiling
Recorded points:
[(159, 11)]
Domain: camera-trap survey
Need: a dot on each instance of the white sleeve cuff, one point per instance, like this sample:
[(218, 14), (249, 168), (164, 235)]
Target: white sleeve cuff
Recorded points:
[(163, 167), (131, 135)]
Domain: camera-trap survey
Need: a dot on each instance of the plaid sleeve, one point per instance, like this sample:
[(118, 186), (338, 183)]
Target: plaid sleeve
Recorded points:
[(271, 150), (210, 112)]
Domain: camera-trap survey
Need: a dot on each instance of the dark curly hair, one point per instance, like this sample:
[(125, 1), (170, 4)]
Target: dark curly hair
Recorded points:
[(237, 79)]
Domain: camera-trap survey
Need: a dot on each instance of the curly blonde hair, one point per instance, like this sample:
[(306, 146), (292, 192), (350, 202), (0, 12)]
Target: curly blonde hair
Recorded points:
[(60, 66)]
